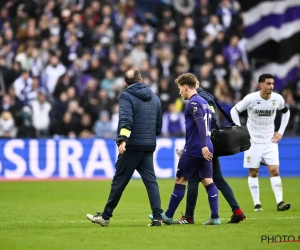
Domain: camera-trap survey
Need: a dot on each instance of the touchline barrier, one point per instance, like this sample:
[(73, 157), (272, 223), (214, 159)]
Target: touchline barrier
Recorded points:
[(95, 158)]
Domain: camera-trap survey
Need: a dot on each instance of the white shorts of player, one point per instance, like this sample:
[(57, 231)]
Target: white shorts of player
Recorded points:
[(258, 152)]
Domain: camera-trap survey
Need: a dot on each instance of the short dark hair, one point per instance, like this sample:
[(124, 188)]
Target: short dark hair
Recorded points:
[(187, 79), (132, 76), (24, 70), (263, 77)]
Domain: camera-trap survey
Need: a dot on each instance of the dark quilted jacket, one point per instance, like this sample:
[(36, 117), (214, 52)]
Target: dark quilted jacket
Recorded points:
[(140, 112)]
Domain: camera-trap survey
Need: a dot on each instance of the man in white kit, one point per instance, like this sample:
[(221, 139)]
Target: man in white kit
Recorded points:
[(261, 107)]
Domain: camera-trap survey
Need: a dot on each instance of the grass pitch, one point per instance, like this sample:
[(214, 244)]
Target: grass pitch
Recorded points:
[(52, 215)]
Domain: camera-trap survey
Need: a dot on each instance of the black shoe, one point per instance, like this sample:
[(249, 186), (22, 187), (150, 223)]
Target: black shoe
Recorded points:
[(236, 218), (258, 208), (184, 220), (282, 206), (155, 223)]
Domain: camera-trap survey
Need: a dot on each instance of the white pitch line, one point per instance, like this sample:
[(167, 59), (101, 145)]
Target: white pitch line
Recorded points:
[(126, 221), (44, 222)]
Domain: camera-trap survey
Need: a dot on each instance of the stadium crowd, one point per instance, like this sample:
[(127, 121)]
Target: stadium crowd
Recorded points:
[(62, 62)]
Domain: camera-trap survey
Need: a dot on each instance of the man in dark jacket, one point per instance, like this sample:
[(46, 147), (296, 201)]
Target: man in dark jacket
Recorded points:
[(218, 178), (140, 121)]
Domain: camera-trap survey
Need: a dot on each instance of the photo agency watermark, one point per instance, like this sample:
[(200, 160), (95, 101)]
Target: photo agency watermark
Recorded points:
[(279, 238)]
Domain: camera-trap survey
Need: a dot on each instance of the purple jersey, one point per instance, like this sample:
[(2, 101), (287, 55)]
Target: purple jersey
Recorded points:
[(198, 127)]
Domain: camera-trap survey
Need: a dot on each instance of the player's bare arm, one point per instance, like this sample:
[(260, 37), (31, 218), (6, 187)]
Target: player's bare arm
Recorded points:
[(238, 108)]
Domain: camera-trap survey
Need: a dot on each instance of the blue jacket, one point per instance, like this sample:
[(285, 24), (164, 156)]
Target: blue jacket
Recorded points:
[(140, 112), (212, 103)]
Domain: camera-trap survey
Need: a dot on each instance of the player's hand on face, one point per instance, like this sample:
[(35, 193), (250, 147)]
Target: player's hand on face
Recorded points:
[(207, 155), (276, 137), (122, 147)]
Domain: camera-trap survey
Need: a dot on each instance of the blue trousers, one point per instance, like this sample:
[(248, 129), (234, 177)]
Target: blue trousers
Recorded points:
[(127, 163)]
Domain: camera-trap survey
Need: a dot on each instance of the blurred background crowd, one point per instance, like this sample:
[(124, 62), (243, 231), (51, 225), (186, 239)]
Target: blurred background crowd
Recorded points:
[(62, 62)]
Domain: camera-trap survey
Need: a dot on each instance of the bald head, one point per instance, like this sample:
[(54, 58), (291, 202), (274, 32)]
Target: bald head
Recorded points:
[(132, 76), (129, 73)]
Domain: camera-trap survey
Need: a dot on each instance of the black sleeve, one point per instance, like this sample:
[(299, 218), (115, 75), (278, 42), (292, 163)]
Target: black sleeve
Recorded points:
[(284, 110)]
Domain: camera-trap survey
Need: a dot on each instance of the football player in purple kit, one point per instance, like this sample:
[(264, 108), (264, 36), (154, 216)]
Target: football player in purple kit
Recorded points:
[(196, 159)]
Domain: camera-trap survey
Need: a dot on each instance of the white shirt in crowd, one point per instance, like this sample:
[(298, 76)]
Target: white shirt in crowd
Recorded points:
[(22, 87), (41, 114), (213, 30), (51, 75)]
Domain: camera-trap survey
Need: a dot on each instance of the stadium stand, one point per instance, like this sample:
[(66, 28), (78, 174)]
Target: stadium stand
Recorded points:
[(62, 62)]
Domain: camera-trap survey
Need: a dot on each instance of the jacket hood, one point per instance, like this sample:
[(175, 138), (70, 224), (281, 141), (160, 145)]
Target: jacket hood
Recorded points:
[(199, 89), (140, 90)]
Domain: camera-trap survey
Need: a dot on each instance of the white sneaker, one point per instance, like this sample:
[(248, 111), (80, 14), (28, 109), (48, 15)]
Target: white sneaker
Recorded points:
[(97, 218)]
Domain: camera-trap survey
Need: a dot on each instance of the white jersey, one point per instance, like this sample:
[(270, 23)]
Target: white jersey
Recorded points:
[(261, 115)]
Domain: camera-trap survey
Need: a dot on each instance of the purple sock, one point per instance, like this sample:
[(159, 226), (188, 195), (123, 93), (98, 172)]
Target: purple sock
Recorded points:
[(213, 200), (175, 200)]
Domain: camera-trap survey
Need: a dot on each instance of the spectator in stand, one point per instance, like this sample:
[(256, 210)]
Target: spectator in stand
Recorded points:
[(26, 128), (103, 126), (108, 82), (226, 103), (23, 86), (41, 114), (7, 125), (115, 120), (184, 8), (24, 58), (165, 95), (85, 127), (219, 43), (232, 52), (62, 84), (138, 54), (220, 70), (58, 110), (33, 93), (213, 27), (9, 105), (62, 46), (173, 122), (236, 82), (292, 105), (206, 79), (52, 73), (76, 112), (225, 12), (66, 127)]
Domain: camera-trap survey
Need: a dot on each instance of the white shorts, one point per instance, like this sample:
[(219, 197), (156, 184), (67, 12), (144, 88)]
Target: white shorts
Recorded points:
[(257, 153)]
